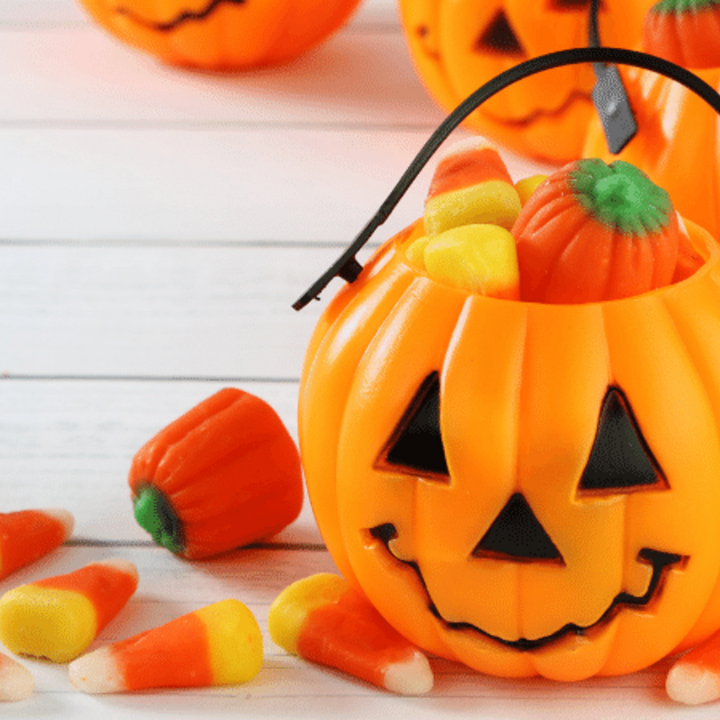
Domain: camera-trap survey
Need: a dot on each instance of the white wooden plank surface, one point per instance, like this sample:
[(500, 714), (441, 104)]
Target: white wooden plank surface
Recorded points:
[(155, 227)]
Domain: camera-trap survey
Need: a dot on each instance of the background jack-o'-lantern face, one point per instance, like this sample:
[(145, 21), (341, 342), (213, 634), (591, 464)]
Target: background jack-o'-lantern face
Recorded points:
[(457, 45), (222, 34), (526, 488)]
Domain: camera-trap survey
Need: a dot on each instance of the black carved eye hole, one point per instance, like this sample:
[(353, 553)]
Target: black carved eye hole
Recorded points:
[(499, 37), (416, 446), (620, 459)]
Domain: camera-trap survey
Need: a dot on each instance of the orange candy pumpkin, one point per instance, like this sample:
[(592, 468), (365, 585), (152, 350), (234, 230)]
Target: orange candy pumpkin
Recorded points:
[(526, 488), (457, 45), (222, 34), (599, 232), (225, 474)]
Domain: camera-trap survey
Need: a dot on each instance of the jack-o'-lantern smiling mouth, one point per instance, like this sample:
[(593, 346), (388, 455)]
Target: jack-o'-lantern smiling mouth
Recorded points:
[(178, 20), (660, 561)]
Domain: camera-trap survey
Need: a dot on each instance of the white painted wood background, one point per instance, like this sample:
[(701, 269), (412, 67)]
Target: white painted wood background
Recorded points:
[(155, 227)]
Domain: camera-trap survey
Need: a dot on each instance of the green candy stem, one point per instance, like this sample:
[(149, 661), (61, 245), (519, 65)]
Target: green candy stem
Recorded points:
[(684, 6), (155, 514), (620, 196)]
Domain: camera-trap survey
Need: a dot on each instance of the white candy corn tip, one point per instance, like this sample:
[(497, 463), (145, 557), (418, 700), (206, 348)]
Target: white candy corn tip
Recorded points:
[(410, 677), (692, 685), (122, 565), (96, 673), (64, 517), (16, 681), (468, 145)]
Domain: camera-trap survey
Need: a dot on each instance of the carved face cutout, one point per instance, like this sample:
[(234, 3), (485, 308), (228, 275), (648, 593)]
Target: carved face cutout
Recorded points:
[(457, 46), (524, 488), (221, 34), (619, 462)]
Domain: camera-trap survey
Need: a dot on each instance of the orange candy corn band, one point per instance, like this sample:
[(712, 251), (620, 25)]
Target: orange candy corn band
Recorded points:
[(183, 646), (354, 625), (462, 169), (57, 618), (323, 620), (219, 644), (28, 535)]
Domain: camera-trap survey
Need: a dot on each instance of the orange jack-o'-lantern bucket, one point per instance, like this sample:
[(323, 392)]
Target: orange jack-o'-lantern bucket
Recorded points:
[(526, 487)]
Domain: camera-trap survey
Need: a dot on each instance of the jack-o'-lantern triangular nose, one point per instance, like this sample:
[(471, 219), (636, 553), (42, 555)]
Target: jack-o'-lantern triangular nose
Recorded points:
[(517, 535)]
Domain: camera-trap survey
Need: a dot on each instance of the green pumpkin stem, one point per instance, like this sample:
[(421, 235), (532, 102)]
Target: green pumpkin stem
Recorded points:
[(684, 6), (155, 514), (620, 196)]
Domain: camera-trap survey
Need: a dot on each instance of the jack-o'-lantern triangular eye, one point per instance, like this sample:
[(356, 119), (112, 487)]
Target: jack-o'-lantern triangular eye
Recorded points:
[(499, 37), (416, 446), (620, 459)]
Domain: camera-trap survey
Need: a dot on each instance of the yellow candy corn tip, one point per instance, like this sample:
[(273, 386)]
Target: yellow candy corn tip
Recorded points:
[(527, 186), (292, 606), (415, 253), (476, 258), (493, 202), (235, 641), (46, 622)]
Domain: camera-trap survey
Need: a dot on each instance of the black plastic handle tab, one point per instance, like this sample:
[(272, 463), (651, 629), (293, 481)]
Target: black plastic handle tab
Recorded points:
[(347, 266)]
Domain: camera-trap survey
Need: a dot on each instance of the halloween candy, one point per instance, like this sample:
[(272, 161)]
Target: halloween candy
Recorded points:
[(471, 185), (58, 617), (695, 678), (27, 535), (16, 682), (324, 620), (686, 33), (219, 644), (223, 475), (595, 232), (478, 258), (527, 186)]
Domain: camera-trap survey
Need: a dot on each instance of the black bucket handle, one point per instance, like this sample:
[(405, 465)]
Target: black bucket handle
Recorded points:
[(348, 268)]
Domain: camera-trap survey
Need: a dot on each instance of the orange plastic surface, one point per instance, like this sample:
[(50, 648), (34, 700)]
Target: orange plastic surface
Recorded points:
[(222, 34), (457, 45), (521, 387)]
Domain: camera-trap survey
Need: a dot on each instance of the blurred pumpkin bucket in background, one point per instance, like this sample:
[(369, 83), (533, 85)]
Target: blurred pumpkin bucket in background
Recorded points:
[(678, 138), (222, 34), (524, 487), (457, 45)]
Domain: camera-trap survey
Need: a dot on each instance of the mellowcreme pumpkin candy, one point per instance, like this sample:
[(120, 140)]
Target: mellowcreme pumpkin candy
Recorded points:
[(524, 487)]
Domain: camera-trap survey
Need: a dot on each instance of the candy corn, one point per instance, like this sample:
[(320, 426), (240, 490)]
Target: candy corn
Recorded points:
[(219, 644), (16, 682), (476, 258), (27, 535), (322, 619), (58, 617), (471, 185), (527, 186), (695, 678)]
